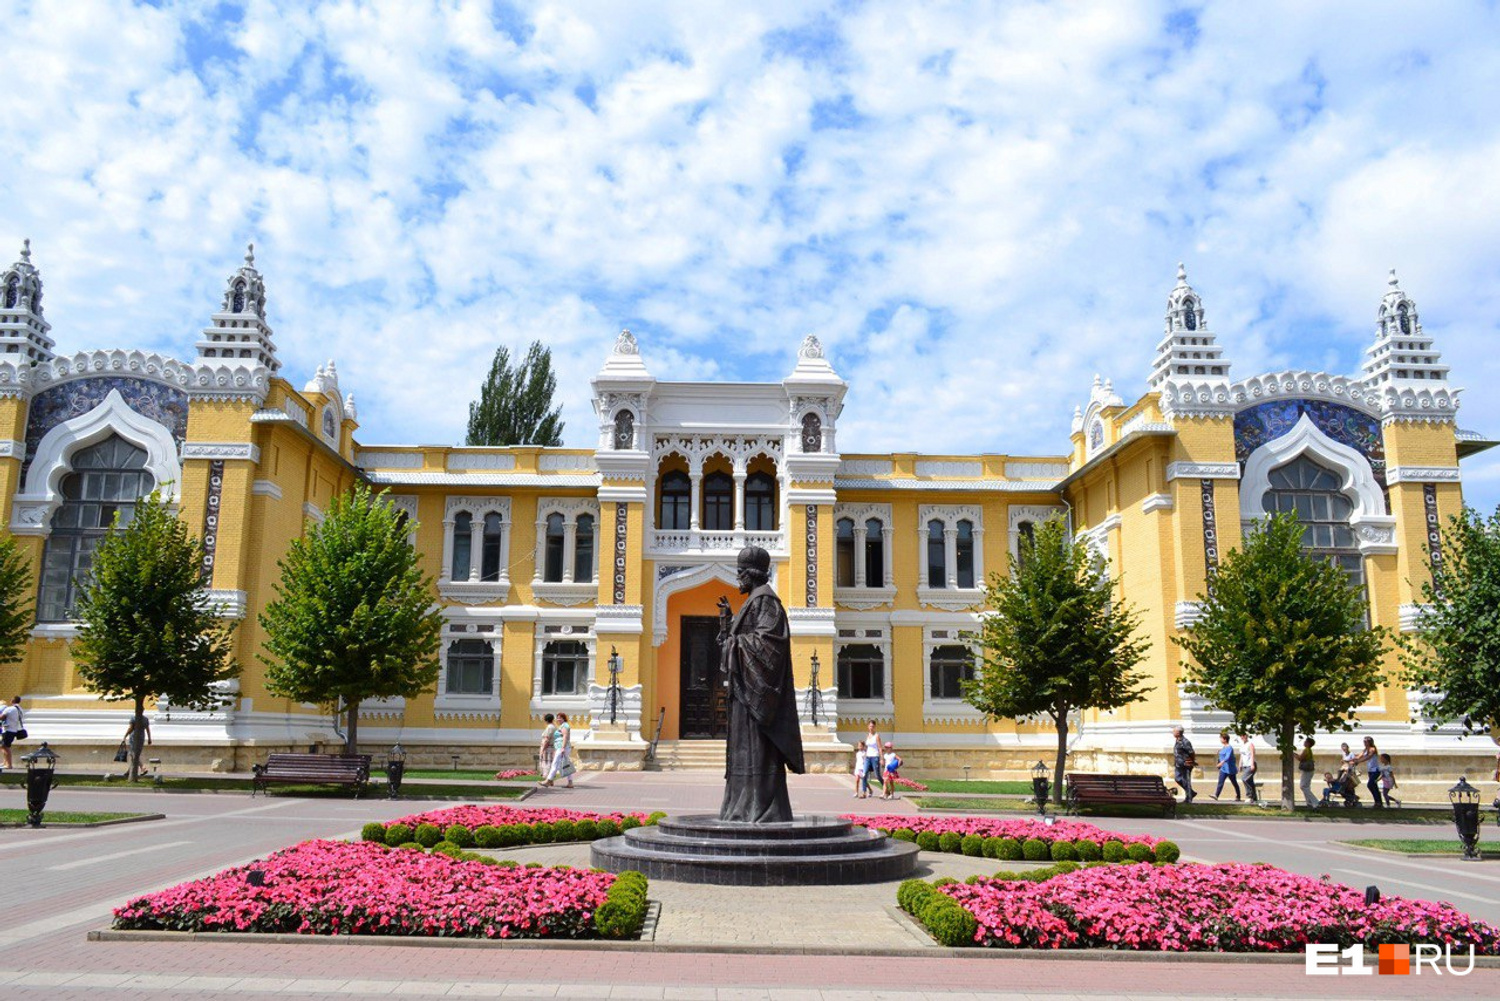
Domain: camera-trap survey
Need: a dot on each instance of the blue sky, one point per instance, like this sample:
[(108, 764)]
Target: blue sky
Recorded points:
[(976, 206)]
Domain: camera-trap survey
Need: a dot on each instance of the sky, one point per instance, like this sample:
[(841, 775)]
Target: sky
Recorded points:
[(975, 206)]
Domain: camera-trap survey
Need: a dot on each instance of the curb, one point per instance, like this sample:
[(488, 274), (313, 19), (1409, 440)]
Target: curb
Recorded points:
[(1492, 856), (98, 823)]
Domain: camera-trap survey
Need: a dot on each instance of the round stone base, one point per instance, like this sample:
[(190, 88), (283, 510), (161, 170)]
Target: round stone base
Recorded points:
[(808, 850)]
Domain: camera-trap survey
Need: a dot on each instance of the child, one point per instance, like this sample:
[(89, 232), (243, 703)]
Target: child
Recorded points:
[(1388, 779), (891, 769), (861, 773)]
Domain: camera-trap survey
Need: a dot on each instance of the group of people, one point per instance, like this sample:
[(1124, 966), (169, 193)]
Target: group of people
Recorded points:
[(1236, 764), (555, 754), (870, 764)]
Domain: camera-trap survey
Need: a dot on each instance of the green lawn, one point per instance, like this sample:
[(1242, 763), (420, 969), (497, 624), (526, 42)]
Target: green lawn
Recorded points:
[(999, 804), (1425, 846), (241, 783), (463, 775), (992, 804), (58, 817), (1012, 787)]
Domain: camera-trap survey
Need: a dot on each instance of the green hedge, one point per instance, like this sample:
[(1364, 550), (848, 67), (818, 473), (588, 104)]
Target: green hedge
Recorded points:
[(942, 916), (1167, 852), (624, 907), (1035, 850)]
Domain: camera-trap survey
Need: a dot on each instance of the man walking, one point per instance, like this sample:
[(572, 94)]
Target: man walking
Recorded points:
[(1247, 765), (11, 723), (1185, 761)]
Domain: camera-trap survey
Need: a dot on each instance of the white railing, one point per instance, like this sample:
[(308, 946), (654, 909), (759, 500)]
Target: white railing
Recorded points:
[(662, 541)]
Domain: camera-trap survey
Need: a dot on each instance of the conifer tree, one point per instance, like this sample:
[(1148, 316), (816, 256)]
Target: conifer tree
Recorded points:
[(1281, 642), (15, 600), (1056, 639), (515, 403), (354, 616), (145, 627)]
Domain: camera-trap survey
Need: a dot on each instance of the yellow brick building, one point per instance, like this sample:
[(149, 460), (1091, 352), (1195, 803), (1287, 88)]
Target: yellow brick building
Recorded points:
[(560, 571)]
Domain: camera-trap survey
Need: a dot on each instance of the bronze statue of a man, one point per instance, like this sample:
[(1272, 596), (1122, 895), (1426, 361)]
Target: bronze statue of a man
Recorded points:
[(764, 736)]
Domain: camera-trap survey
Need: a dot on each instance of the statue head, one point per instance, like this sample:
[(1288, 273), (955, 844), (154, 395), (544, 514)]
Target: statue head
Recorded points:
[(754, 566)]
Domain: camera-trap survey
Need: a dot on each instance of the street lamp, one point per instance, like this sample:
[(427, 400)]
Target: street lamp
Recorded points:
[(41, 775), (814, 691), (1465, 800), (1040, 786), (395, 768), (615, 665)]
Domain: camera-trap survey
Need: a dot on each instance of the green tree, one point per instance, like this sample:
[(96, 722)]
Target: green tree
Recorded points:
[(145, 627), (515, 403), (1056, 639), (1454, 657), (1281, 642), (15, 600), (354, 617)]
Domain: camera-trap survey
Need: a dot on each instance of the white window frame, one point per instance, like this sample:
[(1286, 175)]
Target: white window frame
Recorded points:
[(864, 634), (950, 597), (470, 706), (1020, 514), (860, 596), (475, 591), (934, 709), (559, 625), (566, 591)]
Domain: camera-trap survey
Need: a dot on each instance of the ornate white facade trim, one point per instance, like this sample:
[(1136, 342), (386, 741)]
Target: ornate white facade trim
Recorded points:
[(664, 587), (812, 621), (954, 468), (1185, 614), (1020, 514), (266, 488), (1203, 471), (1410, 617), (866, 467), (1304, 385), (231, 450), (202, 381), (1422, 474), (312, 512), (225, 602), (1157, 502), (12, 449), (618, 620), (557, 463), (366, 459), (1023, 469), (464, 462), (951, 596)]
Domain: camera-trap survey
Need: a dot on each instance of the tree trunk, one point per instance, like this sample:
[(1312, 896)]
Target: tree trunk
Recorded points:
[(1062, 758), (137, 738), (1287, 740), (351, 732)]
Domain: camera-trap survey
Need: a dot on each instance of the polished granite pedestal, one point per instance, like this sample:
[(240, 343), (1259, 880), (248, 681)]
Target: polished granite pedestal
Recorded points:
[(809, 850)]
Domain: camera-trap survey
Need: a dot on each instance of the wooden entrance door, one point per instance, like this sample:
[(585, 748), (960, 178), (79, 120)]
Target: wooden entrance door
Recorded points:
[(705, 700)]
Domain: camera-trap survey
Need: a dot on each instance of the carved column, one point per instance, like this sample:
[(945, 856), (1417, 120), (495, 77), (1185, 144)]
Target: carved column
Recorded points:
[(476, 547), (950, 554), (445, 572), (859, 555), (570, 538), (888, 535), (739, 498)]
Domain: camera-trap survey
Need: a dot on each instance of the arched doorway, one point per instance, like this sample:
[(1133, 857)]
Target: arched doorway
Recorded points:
[(689, 678)]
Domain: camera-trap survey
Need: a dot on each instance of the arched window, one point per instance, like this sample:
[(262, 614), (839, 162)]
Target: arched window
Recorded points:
[(583, 549), (237, 301), (1025, 539), (937, 555), (760, 502), (624, 430), (1312, 492), (1189, 314), (471, 668), (948, 667), (676, 493), (101, 491), (463, 540), (1096, 434), (564, 667), (489, 566), (13, 292), (812, 433), (874, 553), (965, 553), (861, 672), (1404, 318), (553, 569), (718, 502), (843, 552)]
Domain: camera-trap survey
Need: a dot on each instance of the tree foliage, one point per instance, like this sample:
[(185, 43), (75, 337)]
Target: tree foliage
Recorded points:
[(1056, 639), (354, 616), (1454, 657), (145, 627), (1281, 642), (15, 600), (515, 403)]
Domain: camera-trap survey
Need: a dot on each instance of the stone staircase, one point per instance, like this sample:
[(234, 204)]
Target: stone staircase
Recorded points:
[(688, 756)]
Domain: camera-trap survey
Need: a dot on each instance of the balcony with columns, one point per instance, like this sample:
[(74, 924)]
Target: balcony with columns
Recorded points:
[(715, 505)]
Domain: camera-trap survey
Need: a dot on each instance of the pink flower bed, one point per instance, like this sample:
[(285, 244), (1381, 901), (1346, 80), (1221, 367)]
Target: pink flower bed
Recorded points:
[(515, 773), (1233, 907), (996, 827), (911, 784), (474, 816), (360, 888)]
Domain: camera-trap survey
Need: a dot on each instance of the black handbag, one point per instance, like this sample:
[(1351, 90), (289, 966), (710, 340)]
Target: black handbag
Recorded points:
[(122, 755), (21, 735)]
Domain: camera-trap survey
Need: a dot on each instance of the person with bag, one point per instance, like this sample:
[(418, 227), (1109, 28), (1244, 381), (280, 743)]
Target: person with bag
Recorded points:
[(891, 767), (562, 758), (1305, 770), (545, 751), (1184, 761), (1247, 766), (13, 724)]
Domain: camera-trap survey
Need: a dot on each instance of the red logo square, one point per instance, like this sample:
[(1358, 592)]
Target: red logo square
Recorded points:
[(1395, 959)]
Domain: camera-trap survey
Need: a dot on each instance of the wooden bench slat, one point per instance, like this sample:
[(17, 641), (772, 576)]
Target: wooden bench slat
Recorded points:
[(313, 769), (1086, 788)]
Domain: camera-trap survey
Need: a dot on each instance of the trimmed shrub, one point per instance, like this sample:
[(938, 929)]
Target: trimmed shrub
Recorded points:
[(972, 844), (950, 841), (944, 881), (948, 922), (397, 835), (1167, 851), (974, 879), (427, 835), (533, 865), (624, 907), (1140, 853), (927, 841), (372, 832), (904, 834), (447, 848), (990, 848), (585, 830), (1035, 850), (1065, 866), (912, 894), (459, 835), (511, 835), (1088, 850), (541, 833), (1063, 851), (629, 823), (1009, 850), (508, 863), (655, 817), (486, 860), (487, 836), (1113, 851), (410, 845), (564, 830), (606, 829)]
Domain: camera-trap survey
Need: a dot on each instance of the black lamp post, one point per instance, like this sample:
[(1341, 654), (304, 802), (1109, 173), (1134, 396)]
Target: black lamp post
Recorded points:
[(395, 768), (814, 691), (1465, 800), (1040, 786), (41, 775), (615, 666)]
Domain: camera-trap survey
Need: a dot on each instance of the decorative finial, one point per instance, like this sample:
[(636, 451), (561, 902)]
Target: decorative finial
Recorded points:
[(811, 347), (1181, 274), (1391, 281), (1097, 381), (26, 251), (250, 254), (625, 344)]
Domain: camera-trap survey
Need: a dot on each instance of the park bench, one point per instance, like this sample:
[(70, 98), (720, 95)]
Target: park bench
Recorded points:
[(313, 769), (1095, 789)]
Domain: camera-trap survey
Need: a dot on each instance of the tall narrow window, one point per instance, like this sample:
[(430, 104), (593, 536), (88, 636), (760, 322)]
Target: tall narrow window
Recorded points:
[(463, 540), (812, 433), (760, 503), (471, 668), (624, 430), (106, 481), (564, 666), (843, 553), (874, 553), (553, 563), (949, 667), (1312, 491), (937, 558), (965, 553), (237, 303), (583, 549), (861, 672), (1025, 540), (676, 494), (1404, 318), (494, 528), (13, 293), (1190, 314), (718, 502)]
